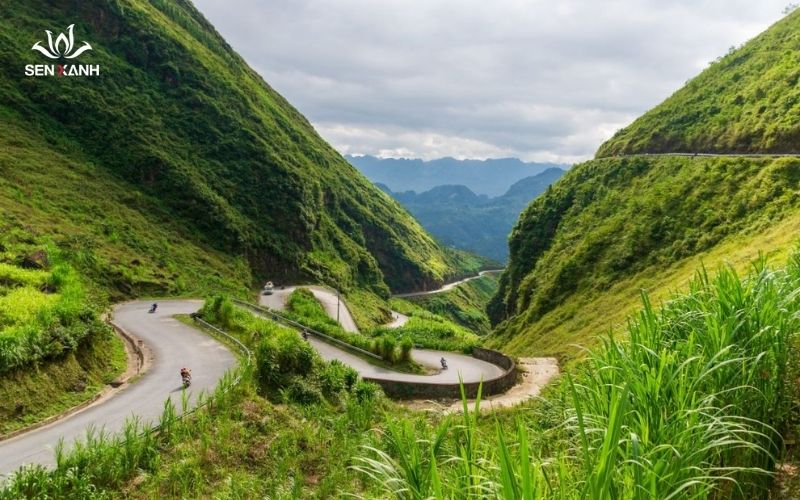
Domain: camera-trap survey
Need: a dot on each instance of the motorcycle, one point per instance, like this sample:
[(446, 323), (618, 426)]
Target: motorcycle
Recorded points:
[(153, 308), (444, 363)]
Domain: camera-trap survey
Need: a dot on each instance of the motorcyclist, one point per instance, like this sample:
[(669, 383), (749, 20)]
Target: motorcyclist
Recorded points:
[(444, 363), (186, 376), (305, 334), (153, 308)]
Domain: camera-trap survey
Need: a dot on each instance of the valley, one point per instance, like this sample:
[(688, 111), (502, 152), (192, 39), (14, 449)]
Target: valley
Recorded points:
[(459, 218), (625, 327)]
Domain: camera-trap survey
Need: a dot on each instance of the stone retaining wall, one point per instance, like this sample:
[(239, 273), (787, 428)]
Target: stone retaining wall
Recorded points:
[(416, 390)]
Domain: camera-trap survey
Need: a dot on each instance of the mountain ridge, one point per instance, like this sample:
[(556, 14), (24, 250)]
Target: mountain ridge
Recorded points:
[(196, 138), (619, 224), (744, 102), (490, 177), (476, 223)]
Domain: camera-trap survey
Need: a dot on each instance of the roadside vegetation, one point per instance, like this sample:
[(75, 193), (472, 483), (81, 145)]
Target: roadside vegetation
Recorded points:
[(43, 311), (28, 396), (423, 329), (428, 330), (286, 366), (55, 352), (395, 350), (693, 402), (613, 226), (464, 305)]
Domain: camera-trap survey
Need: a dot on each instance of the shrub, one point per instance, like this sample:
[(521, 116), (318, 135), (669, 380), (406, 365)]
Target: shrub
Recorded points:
[(405, 348), (336, 377), (365, 391), (387, 347), (331, 381), (300, 390), (281, 356), (219, 310), (43, 314)]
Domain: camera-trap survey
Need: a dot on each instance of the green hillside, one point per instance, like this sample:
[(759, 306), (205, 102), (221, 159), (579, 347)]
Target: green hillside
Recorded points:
[(176, 172), (610, 227), (179, 169), (747, 102)]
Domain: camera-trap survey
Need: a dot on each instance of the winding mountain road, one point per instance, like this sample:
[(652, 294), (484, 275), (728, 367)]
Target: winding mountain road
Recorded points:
[(706, 155), (325, 296), (459, 365), (173, 345), (448, 286)]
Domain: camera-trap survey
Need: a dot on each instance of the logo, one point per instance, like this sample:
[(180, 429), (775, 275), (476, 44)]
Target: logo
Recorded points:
[(62, 47)]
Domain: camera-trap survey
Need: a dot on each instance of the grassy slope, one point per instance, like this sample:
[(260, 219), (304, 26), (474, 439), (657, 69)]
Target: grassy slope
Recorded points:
[(182, 134), (581, 318), (717, 358), (465, 304), (178, 172), (612, 226), (116, 236), (746, 101), (30, 395)]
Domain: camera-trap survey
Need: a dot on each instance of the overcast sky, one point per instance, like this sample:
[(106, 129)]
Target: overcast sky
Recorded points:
[(543, 80)]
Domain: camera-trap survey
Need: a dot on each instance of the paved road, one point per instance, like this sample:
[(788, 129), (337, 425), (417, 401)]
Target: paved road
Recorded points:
[(398, 320), (448, 286), (709, 155), (325, 296), (173, 344), (469, 368)]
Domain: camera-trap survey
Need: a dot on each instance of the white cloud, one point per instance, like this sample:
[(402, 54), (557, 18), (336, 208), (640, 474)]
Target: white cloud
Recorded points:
[(469, 78), (394, 142)]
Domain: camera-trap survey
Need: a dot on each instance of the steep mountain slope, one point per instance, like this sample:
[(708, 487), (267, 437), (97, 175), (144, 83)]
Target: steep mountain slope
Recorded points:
[(178, 147), (486, 177), (747, 101), (456, 216), (581, 252)]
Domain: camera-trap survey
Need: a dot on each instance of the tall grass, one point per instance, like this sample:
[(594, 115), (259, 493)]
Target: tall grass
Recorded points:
[(704, 387), (690, 405)]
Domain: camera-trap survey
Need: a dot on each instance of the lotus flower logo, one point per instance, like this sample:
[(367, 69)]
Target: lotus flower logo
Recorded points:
[(63, 46)]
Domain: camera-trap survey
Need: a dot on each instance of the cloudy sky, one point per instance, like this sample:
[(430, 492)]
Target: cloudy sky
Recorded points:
[(542, 80)]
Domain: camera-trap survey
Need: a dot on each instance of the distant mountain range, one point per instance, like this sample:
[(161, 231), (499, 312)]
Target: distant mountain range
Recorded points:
[(488, 177), (458, 217)]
